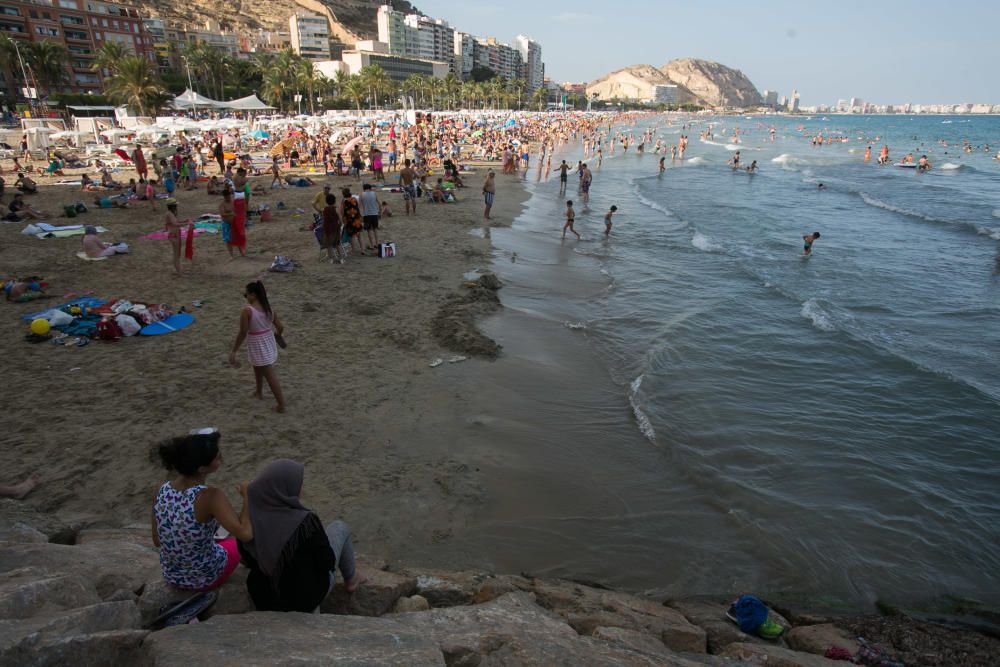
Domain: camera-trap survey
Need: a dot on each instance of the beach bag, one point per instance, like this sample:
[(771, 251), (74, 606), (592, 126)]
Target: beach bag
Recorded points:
[(387, 249), (749, 613), (282, 264), (70, 210), (58, 318), (108, 330), (127, 324)]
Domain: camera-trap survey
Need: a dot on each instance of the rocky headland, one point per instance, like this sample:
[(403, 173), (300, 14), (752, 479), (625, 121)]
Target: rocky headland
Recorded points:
[(85, 596), (701, 82)]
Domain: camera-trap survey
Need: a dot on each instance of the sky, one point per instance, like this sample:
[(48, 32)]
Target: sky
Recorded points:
[(882, 51)]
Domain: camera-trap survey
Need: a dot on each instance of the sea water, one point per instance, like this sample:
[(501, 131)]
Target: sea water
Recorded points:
[(693, 406)]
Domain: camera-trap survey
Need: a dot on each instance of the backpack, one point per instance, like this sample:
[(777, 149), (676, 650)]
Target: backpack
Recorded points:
[(108, 330), (749, 613)]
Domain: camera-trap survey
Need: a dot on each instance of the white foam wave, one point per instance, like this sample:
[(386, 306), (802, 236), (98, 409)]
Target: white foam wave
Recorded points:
[(787, 161), (996, 213), (696, 160), (574, 325), (878, 203), (652, 204), (713, 143), (811, 310), (702, 242), (645, 427), (949, 166), (992, 232)]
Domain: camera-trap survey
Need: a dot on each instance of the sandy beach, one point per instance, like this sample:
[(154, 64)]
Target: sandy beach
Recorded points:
[(367, 413)]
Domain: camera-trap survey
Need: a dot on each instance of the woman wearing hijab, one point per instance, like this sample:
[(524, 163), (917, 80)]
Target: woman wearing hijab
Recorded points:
[(292, 558)]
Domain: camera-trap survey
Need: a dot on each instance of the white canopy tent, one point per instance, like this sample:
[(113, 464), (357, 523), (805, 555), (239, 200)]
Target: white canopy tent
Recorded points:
[(248, 103), (192, 100)]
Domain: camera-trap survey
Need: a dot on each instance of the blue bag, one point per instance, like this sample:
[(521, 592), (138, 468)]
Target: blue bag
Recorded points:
[(749, 613)]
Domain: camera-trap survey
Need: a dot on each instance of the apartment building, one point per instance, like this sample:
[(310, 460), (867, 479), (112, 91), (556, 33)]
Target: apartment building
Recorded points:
[(82, 26), (310, 35), (532, 68)]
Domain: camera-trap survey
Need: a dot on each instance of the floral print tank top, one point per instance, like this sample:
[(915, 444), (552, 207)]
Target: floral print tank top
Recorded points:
[(189, 556)]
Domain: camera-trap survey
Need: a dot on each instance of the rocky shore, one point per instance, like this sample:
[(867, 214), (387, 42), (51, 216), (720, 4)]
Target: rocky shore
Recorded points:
[(85, 596)]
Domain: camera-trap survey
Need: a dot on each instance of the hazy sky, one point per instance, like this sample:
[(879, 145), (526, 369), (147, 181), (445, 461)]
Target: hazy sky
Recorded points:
[(885, 51)]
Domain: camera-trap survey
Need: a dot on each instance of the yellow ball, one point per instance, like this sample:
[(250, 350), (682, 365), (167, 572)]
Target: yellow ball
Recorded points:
[(40, 326), (75, 310)]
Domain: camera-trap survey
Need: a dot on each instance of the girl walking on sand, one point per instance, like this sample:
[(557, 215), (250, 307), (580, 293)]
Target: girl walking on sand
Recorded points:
[(258, 324)]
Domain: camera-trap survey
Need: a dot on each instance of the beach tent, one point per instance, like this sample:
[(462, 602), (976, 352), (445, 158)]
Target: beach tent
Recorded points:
[(192, 100), (248, 103)]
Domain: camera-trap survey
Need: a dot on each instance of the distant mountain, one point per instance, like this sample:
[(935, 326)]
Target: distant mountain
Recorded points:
[(699, 82), (350, 20)]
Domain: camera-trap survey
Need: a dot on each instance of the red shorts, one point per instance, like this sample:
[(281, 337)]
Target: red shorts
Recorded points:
[(232, 562)]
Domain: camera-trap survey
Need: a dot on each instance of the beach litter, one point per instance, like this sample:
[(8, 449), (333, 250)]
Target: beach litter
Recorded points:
[(436, 363), (456, 359)]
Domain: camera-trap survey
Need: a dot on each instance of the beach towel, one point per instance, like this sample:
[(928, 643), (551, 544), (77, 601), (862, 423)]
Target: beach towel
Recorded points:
[(83, 255), (189, 245), (237, 230), (68, 182), (162, 234), (62, 232), (83, 302)]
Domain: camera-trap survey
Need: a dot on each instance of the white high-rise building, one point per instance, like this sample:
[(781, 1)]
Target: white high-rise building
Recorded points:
[(793, 101), (434, 38), (531, 59), (310, 35), (464, 54), (771, 98)]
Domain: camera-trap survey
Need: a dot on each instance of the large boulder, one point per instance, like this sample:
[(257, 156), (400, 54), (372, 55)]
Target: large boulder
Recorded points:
[(16, 514), (140, 536), (448, 589), (775, 656), (233, 597), (28, 592), (31, 640), (292, 639), (375, 597), (514, 630), (587, 609), (818, 638), (98, 649), (109, 566)]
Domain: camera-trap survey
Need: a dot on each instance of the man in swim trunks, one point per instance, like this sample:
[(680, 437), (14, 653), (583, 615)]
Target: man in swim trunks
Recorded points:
[(563, 171), (808, 240), (406, 176), (586, 178)]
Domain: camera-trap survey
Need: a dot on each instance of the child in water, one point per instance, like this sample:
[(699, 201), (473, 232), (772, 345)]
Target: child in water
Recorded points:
[(808, 239), (570, 217)]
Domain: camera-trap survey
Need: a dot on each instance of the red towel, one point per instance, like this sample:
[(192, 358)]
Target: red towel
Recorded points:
[(237, 229), (189, 244)]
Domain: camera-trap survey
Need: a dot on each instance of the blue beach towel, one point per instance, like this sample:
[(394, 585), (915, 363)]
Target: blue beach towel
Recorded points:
[(83, 302)]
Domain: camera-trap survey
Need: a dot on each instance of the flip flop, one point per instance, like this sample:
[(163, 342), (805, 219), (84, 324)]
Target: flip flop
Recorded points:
[(179, 613)]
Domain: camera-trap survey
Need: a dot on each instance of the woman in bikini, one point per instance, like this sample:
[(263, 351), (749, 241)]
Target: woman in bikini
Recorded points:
[(173, 227), (258, 324)]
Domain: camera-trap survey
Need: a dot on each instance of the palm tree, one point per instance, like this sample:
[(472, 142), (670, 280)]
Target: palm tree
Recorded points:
[(109, 56), (539, 97), (309, 77), (376, 79), (452, 87), (245, 72), (48, 63), (355, 88), (518, 86), (136, 85)]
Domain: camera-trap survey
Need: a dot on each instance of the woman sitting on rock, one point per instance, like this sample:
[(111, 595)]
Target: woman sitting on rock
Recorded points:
[(187, 514), (292, 558)]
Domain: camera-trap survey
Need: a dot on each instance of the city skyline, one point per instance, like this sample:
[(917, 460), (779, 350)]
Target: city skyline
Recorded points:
[(893, 53)]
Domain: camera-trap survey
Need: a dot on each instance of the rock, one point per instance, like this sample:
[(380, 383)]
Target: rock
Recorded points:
[(490, 281), (629, 83), (109, 566), (56, 529), (514, 630), (233, 597), (410, 604), (117, 647), (713, 84), (493, 587), (776, 656), (117, 535), (448, 589), (587, 609), (372, 598), (30, 592), (710, 616), (302, 640), (818, 638), (632, 639), (18, 531), (28, 641)]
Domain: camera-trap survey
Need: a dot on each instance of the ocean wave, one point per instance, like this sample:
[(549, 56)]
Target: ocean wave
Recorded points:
[(645, 427), (992, 232), (878, 203), (811, 310), (696, 160), (652, 204), (949, 166), (996, 213), (702, 242), (574, 325), (786, 160)]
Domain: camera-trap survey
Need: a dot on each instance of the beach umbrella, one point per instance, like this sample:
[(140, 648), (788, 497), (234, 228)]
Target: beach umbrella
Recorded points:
[(350, 144), (260, 134), (279, 148), (477, 133)]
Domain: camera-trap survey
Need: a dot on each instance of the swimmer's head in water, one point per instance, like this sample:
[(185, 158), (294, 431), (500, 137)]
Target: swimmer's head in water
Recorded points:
[(614, 208), (569, 202), (815, 235)]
